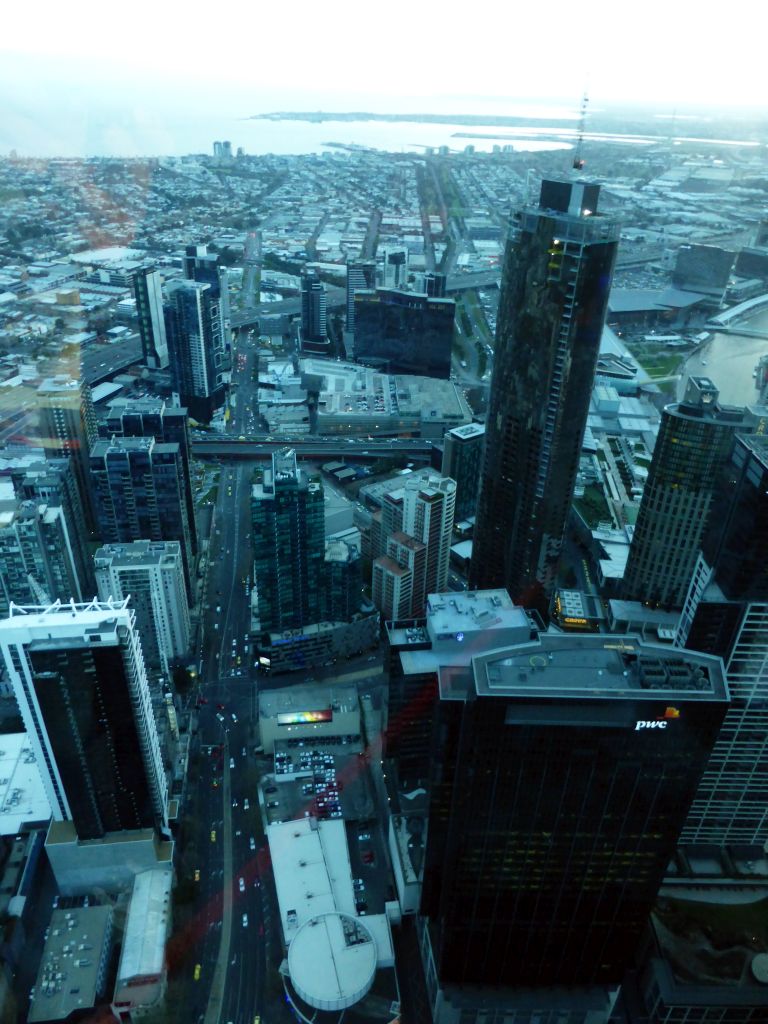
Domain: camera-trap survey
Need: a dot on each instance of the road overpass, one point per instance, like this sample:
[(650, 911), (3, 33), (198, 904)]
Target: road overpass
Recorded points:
[(742, 332), (325, 448)]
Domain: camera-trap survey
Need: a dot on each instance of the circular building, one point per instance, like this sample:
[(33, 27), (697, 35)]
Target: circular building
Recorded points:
[(332, 961)]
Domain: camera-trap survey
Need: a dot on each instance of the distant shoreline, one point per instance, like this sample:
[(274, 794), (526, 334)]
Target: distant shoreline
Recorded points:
[(490, 120)]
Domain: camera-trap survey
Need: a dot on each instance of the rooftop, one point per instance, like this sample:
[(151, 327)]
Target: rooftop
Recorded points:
[(147, 925), (68, 976), (341, 697), (598, 666)]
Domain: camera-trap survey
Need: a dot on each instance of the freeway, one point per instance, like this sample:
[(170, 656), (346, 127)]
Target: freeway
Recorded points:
[(314, 448)]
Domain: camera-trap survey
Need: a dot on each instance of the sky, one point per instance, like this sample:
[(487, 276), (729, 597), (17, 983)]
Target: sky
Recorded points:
[(86, 59)]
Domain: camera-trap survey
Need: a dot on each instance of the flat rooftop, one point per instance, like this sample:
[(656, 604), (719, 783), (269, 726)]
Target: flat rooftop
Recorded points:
[(598, 666), (69, 968), (23, 799), (341, 698)]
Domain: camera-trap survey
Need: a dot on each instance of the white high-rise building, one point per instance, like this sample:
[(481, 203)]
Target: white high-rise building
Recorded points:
[(78, 675), (428, 512), (151, 575)]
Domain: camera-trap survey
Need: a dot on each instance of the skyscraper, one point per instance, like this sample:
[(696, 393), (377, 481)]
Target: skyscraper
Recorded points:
[(726, 613), (79, 679), (37, 561), (314, 314), (462, 460), (404, 332), (422, 509), (361, 274), (554, 294), (151, 574), (168, 424), (52, 482), (67, 427), (694, 441), (139, 486), (195, 347), (288, 514), (147, 288), (562, 770), (392, 261)]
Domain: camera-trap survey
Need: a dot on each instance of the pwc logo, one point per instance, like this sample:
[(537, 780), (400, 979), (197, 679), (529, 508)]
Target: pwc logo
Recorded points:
[(660, 722)]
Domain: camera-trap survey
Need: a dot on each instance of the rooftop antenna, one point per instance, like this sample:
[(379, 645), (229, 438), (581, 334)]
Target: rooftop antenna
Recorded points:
[(578, 160)]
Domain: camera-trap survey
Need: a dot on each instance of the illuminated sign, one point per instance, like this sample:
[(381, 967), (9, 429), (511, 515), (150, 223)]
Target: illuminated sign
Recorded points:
[(304, 717), (660, 722)]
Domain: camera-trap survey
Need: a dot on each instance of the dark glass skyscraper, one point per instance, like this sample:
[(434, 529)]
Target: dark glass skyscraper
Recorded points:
[(361, 274), (695, 439), (562, 770), (79, 678), (288, 514), (314, 314), (554, 294), (726, 613), (168, 424), (147, 288), (139, 488), (404, 332), (195, 347)]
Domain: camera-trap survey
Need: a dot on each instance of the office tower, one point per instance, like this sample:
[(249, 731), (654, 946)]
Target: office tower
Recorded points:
[(79, 679), (392, 266), (314, 314), (462, 459), (554, 294), (52, 482), (226, 149), (203, 266), (341, 593), (703, 268), (562, 771), (434, 284), (404, 332), (361, 274), (422, 508), (36, 557), (217, 150), (398, 577), (288, 517), (195, 347), (139, 487), (153, 417), (694, 440), (147, 288), (67, 428), (151, 575), (428, 512), (726, 614), (250, 294)]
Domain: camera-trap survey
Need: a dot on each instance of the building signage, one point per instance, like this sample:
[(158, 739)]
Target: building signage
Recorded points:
[(658, 723), (304, 717)]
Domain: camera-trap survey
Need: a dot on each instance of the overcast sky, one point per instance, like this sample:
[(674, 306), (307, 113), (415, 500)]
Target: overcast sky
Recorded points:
[(75, 59)]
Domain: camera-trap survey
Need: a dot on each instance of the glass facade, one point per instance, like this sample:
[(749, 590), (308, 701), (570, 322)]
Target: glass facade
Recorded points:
[(85, 702), (554, 296)]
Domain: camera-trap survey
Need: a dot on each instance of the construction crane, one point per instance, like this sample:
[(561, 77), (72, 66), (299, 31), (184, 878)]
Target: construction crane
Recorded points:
[(578, 161)]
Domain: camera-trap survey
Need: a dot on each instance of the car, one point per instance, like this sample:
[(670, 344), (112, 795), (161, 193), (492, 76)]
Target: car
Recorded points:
[(234, 803), (360, 905), (364, 836), (198, 969), (231, 762), (234, 718), (197, 874), (245, 920), (271, 789), (271, 804), (369, 858), (220, 707), (213, 835), (252, 843), (244, 752), (246, 804), (241, 884)]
